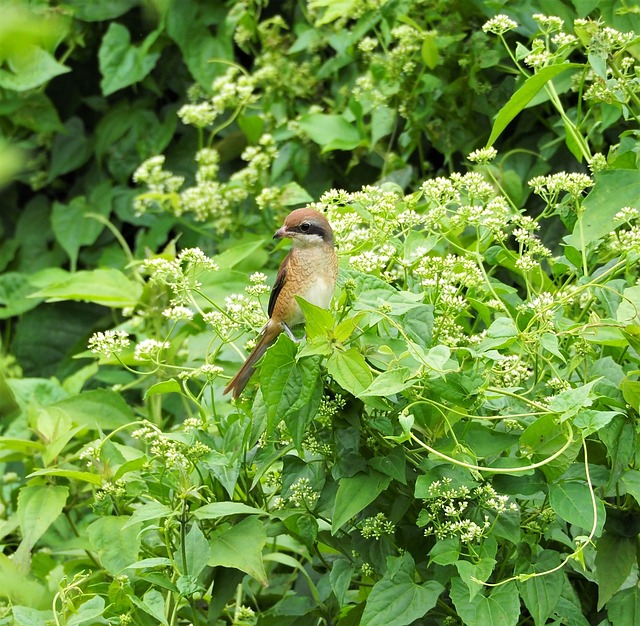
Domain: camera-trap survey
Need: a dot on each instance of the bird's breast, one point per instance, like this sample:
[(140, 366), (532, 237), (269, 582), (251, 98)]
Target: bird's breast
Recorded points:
[(312, 275)]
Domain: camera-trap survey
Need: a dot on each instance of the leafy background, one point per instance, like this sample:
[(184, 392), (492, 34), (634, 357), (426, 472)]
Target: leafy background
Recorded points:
[(417, 449)]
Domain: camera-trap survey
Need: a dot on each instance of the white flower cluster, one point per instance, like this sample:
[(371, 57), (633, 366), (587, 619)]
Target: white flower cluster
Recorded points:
[(109, 342), (511, 371), (499, 25), (549, 187), (302, 494), (444, 510), (180, 276), (376, 527)]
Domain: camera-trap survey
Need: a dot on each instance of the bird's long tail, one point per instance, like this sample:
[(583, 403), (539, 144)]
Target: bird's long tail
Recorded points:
[(239, 381)]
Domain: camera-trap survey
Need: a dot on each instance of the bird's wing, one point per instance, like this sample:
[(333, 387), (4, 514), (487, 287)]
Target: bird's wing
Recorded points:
[(281, 278)]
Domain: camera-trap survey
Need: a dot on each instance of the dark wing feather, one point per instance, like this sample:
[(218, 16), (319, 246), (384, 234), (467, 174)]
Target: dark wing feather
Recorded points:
[(277, 286)]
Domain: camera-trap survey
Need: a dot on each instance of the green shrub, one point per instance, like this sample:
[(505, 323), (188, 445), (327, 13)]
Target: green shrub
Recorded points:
[(453, 442)]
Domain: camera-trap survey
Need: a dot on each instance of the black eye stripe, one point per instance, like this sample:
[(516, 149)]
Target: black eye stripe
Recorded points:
[(308, 228)]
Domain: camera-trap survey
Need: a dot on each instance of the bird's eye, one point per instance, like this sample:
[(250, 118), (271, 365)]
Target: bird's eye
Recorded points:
[(305, 226)]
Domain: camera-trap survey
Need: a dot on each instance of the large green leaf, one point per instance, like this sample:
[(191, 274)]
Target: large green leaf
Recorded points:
[(28, 67), (188, 24), (117, 546), (98, 409), (350, 370), (291, 388), (240, 546), (215, 510), (572, 501), (397, 599), (38, 507), (624, 607), (615, 556), (390, 382), (332, 132), (107, 287), (500, 607), (195, 551), (71, 226), (613, 190), (355, 493), (121, 63), (521, 98), (21, 589), (541, 594)]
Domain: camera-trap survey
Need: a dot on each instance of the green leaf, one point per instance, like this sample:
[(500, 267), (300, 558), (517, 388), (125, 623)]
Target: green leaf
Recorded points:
[(613, 190), (318, 321), (240, 547), (340, 578), (350, 370), (28, 67), (542, 439), (615, 556), (569, 402), (291, 389), (152, 603), (293, 194), (383, 119), (149, 510), (98, 409), (165, 386), (16, 295), (541, 594), (354, 494), (88, 612), (70, 150), (629, 310), (470, 572), (107, 287), (445, 551), (237, 254), (71, 226), (571, 500), (196, 552), (122, 64), (38, 507), (388, 383), (501, 333), (190, 26), (523, 96), (624, 608), (396, 599), (24, 616), (117, 546), (418, 324), (346, 327), (333, 9), (430, 52), (332, 132), (86, 477), (501, 607), (590, 421), (92, 11), (215, 510), (631, 480), (21, 589)]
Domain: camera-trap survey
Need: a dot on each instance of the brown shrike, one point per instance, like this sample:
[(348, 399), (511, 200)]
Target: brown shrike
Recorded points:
[(309, 270)]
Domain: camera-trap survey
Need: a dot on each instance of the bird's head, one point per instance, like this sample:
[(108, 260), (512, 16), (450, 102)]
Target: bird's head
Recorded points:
[(306, 227)]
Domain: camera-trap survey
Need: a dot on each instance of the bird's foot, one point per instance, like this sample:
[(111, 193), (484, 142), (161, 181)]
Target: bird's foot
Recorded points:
[(290, 334)]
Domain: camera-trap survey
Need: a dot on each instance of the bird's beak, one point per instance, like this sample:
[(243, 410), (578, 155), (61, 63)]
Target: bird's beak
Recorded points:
[(281, 233)]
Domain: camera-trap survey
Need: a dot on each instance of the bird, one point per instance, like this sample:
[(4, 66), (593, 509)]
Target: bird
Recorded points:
[(310, 271)]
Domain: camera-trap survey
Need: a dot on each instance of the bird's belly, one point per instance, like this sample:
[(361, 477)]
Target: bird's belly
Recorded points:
[(319, 292)]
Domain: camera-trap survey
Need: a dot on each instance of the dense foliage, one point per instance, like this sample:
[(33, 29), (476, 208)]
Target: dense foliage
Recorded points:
[(454, 442)]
